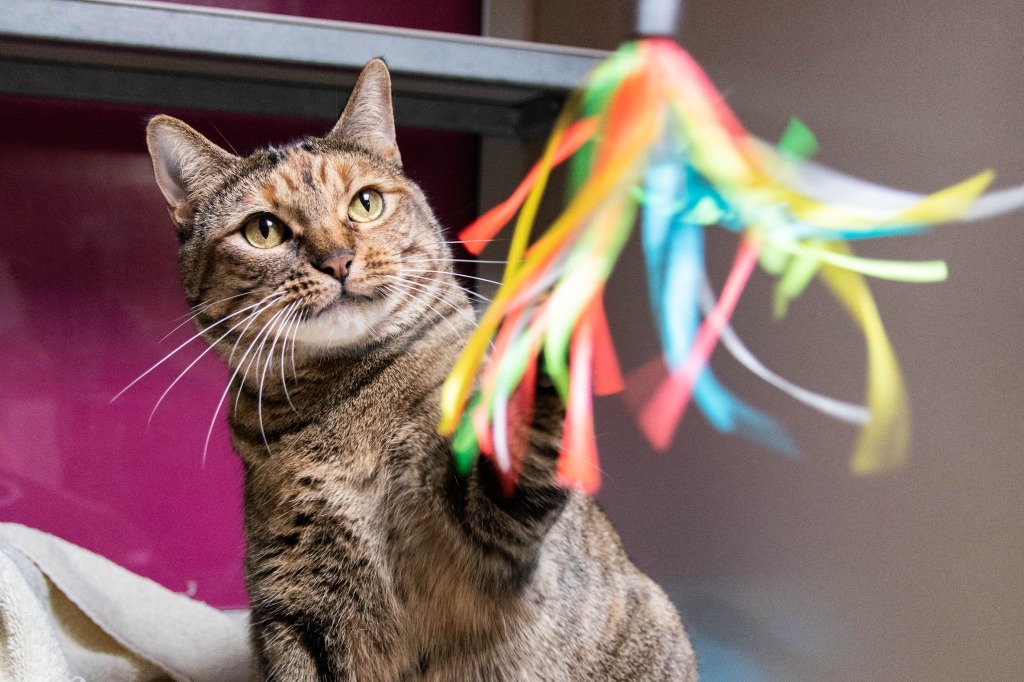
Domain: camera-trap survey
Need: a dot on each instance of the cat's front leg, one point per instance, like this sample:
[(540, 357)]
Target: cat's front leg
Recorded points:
[(508, 526), (282, 654), (290, 650)]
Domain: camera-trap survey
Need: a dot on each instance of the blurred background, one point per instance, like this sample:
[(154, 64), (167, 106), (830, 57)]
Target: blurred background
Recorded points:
[(783, 569), (799, 570)]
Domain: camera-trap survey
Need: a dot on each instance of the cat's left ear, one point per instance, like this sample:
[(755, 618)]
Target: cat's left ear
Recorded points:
[(368, 120), (186, 164)]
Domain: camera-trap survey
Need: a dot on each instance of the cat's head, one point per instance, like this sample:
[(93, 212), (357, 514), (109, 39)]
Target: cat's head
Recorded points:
[(326, 241)]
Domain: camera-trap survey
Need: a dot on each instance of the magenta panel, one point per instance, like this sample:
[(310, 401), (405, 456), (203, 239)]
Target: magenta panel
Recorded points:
[(452, 16), (88, 291)]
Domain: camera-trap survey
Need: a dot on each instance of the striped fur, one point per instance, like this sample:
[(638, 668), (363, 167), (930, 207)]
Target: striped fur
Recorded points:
[(368, 558)]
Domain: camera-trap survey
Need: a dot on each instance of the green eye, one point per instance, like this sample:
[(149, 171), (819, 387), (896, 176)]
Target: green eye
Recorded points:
[(366, 205), (265, 231)]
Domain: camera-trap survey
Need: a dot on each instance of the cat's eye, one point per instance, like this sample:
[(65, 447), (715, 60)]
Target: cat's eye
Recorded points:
[(265, 231), (366, 205)]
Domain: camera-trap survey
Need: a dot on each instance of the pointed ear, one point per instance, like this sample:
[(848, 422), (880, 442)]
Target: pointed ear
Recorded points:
[(185, 163), (368, 120)]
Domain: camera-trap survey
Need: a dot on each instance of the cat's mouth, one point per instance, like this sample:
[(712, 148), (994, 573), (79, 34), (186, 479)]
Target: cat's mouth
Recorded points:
[(345, 299)]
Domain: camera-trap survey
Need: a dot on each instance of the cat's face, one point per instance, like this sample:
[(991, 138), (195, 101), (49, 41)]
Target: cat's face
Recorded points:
[(324, 245)]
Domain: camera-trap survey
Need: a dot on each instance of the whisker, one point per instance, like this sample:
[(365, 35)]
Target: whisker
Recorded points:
[(262, 337), (454, 260), (188, 317), (413, 298), (193, 310), (290, 321), (264, 330), (451, 285), (417, 245), (226, 141), (227, 389), (469, 241), (190, 340), (473, 241), (216, 411), (241, 335), (421, 288), (295, 336), (392, 294), (197, 310), (266, 366), (439, 297), (479, 279), (251, 316)]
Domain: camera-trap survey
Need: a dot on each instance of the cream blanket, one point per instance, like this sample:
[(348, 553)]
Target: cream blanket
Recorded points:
[(67, 614)]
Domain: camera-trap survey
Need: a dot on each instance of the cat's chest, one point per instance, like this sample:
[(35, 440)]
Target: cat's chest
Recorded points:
[(324, 476), (314, 537), (322, 531), (345, 489)]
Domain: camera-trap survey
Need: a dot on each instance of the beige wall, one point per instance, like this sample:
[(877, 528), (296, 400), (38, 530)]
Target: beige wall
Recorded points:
[(807, 571)]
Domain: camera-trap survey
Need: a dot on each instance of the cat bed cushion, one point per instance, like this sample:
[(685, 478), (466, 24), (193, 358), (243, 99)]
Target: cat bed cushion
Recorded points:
[(69, 614)]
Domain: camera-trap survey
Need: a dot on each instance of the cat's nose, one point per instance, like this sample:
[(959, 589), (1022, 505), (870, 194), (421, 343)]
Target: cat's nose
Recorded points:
[(337, 266)]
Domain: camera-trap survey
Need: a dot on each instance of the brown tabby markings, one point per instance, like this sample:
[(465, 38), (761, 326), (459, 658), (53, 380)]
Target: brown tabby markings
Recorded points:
[(368, 557)]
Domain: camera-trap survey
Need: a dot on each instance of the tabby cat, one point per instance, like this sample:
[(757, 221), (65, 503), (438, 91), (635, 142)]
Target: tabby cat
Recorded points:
[(320, 274)]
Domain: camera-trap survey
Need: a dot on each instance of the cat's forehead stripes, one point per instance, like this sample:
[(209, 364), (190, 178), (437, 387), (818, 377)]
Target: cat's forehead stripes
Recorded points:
[(318, 180)]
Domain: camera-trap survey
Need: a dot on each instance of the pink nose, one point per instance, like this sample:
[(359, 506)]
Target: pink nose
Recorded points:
[(337, 265)]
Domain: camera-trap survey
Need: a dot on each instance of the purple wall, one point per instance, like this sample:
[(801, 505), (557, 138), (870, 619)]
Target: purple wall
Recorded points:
[(452, 16), (88, 289)]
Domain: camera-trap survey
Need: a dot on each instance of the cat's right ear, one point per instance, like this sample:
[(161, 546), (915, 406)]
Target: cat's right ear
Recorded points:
[(185, 164)]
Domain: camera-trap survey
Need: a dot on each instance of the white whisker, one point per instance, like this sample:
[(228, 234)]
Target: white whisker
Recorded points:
[(469, 241), (268, 328), (241, 335), (266, 366), (438, 296), (452, 285), (196, 311), (455, 260), (187, 317), (264, 330), (426, 290), (192, 364), (473, 241), (413, 297), (290, 323), (442, 272), (190, 340), (295, 337), (227, 389), (420, 245)]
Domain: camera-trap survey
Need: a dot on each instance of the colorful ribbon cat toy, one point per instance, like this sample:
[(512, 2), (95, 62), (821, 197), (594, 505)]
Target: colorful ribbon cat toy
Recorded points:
[(649, 134)]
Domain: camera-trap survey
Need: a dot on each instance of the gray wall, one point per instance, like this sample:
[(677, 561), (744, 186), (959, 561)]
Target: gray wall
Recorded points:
[(798, 570)]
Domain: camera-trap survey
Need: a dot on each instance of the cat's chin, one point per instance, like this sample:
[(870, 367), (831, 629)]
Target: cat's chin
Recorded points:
[(349, 322)]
